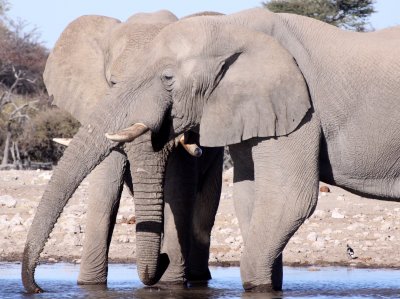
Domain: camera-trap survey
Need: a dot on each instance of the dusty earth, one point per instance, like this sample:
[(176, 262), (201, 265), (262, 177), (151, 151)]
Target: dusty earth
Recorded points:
[(371, 227)]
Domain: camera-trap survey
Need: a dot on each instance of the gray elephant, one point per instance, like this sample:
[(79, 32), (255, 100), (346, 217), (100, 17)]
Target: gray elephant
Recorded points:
[(79, 72), (335, 121), (330, 115)]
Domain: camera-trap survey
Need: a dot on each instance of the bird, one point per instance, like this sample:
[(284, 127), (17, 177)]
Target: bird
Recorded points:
[(350, 252)]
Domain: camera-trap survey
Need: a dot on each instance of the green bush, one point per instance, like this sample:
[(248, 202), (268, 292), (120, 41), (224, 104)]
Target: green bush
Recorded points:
[(36, 141)]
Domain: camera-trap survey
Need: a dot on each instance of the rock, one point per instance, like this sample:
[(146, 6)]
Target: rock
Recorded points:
[(319, 214), (378, 219), (16, 220), (123, 239), (7, 201), (229, 240), (336, 214), (386, 226), (131, 220), (324, 189), (312, 236), (341, 198), (18, 228), (78, 240), (327, 231)]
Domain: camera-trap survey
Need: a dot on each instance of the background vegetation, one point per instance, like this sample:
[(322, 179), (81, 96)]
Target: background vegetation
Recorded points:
[(28, 121)]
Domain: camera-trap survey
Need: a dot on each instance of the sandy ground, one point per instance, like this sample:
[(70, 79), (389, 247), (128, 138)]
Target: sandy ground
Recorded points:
[(371, 227)]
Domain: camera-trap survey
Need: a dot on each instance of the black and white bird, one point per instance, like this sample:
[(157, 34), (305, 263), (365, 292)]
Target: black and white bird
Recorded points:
[(350, 252)]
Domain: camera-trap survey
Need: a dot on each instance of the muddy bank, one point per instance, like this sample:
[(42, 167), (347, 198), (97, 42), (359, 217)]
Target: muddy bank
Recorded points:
[(370, 227)]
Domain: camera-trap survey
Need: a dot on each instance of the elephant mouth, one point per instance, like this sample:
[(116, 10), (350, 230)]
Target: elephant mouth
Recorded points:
[(189, 140)]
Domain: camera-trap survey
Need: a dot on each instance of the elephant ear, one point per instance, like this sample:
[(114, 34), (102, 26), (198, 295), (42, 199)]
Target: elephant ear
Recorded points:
[(262, 94), (75, 70)]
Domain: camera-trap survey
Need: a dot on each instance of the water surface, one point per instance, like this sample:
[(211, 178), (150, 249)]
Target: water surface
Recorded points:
[(59, 281)]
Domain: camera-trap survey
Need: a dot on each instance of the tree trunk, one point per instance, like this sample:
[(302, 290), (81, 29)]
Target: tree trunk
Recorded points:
[(6, 151)]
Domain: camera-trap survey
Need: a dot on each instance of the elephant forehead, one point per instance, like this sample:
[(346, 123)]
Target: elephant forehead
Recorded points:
[(125, 44)]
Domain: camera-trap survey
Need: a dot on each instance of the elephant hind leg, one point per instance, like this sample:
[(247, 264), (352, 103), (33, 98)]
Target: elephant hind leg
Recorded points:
[(105, 186), (286, 191), (204, 212)]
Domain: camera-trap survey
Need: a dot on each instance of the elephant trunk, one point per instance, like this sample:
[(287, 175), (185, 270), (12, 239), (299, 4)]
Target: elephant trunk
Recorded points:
[(77, 162), (148, 172)]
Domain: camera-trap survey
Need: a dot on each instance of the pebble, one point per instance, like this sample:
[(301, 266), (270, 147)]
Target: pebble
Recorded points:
[(324, 189), (7, 201), (312, 236), (336, 214)]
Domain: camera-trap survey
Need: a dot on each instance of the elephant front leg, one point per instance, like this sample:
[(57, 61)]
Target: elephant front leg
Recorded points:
[(286, 190), (105, 186), (244, 197)]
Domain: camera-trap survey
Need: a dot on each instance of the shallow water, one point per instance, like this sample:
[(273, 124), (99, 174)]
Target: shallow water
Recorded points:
[(59, 280)]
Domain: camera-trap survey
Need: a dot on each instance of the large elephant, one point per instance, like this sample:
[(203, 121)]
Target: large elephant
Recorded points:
[(91, 51), (296, 100)]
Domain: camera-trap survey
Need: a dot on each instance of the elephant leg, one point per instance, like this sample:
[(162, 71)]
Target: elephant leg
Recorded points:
[(286, 190), (105, 187), (179, 196), (244, 195), (204, 211)]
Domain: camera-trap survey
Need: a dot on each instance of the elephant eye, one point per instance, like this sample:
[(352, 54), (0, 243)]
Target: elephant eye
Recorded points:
[(167, 78)]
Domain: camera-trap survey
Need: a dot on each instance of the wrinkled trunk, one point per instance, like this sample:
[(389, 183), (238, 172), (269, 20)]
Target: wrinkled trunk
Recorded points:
[(148, 172), (78, 161)]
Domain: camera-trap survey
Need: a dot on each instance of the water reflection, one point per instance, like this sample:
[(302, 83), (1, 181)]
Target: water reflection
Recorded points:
[(59, 280)]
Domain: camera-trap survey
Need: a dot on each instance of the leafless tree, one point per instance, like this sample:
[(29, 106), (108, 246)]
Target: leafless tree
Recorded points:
[(13, 110)]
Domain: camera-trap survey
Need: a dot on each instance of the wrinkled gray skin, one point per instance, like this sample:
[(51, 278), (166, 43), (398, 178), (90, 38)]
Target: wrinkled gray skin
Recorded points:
[(332, 115), (79, 73)]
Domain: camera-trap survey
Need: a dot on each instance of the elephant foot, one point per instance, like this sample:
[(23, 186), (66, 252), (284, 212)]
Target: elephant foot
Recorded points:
[(199, 277), (262, 288), (91, 282), (172, 285)]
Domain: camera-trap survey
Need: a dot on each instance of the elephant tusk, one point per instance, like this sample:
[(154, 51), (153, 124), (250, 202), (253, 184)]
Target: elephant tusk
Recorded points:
[(128, 134), (63, 141), (192, 149)]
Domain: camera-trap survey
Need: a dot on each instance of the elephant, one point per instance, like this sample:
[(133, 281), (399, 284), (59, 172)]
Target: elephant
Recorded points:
[(296, 100), (79, 74)]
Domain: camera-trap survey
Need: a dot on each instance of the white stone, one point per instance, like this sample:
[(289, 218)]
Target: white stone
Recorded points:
[(78, 240), (312, 236), (77, 229), (229, 240), (319, 214), (386, 226), (336, 214), (378, 219), (45, 176), (7, 201), (327, 231), (18, 228), (16, 220), (319, 244), (123, 239), (341, 198)]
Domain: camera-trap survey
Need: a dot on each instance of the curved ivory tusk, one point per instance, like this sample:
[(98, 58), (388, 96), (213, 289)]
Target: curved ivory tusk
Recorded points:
[(63, 141), (192, 149), (129, 134)]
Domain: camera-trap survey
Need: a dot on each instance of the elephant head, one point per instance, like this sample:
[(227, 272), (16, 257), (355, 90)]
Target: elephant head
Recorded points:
[(227, 81)]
